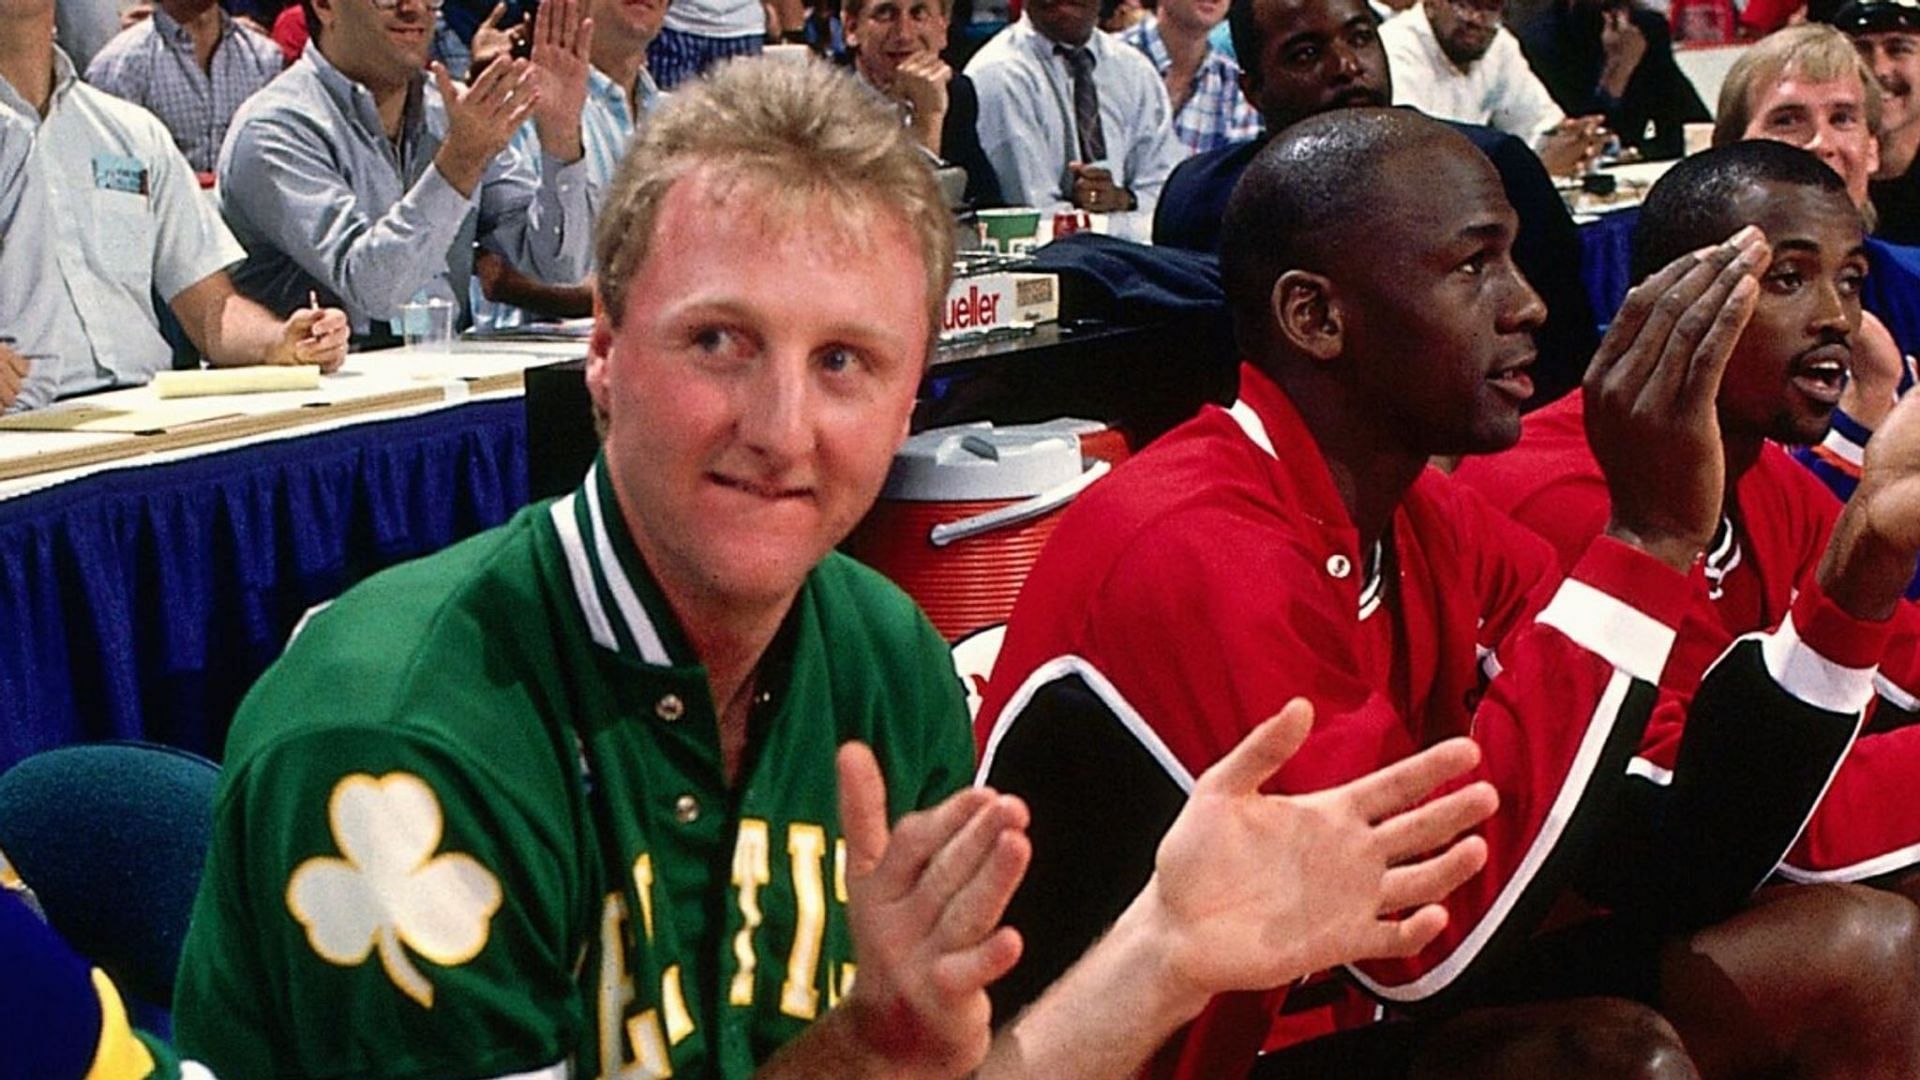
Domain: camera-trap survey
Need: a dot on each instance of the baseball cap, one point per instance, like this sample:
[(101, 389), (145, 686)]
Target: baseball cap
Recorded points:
[(1877, 16)]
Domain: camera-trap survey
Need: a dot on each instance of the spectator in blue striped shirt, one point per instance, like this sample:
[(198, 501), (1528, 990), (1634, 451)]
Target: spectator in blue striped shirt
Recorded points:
[(619, 91), (1203, 83), (191, 64)]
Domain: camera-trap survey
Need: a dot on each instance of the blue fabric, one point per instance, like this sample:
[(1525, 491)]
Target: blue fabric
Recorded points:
[(1134, 284), (142, 603), (1892, 292), (1606, 261), (49, 1012)]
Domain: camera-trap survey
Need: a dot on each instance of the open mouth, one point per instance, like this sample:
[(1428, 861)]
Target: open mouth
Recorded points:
[(1514, 380), (1822, 373)]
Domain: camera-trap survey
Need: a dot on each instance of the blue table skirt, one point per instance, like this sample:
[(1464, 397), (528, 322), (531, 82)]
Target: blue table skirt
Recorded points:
[(1606, 252), (143, 602)]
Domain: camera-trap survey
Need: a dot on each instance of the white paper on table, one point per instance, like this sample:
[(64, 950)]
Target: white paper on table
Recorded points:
[(134, 419)]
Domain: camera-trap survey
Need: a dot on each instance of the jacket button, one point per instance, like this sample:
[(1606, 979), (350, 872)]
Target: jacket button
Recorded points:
[(686, 809), (670, 708), (1339, 566)]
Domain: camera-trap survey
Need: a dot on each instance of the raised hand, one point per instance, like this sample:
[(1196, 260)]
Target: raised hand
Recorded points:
[(481, 119), (925, 900), (1623, 46), (1870, 555), (1874, 369), (490, 42), (1650, 396), (1254, 891), (921, 81), (562, 39)]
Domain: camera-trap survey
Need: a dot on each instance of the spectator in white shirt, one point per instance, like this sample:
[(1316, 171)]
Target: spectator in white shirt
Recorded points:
[(128, 223), (1452, 59), (1071, 116)]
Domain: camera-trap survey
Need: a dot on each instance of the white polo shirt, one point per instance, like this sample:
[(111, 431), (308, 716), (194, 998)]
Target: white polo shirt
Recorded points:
[(128, 220)]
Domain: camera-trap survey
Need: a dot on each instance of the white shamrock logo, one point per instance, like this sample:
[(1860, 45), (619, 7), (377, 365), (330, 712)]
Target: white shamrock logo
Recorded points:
[(391, 889)]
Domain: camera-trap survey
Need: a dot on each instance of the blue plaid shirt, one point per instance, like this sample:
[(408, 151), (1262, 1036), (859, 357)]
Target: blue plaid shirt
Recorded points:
[(1216, 113), (152, 64)]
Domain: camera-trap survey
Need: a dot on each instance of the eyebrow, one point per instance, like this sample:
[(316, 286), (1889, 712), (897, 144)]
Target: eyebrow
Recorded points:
[(1485, 230), (1799, 246)]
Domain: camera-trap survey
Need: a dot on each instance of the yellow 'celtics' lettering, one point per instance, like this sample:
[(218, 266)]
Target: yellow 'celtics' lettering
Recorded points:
[(643, 888), (750, 871), (806, 848), (839, 982), (679, 1020), (838, 987), (648, 1045)]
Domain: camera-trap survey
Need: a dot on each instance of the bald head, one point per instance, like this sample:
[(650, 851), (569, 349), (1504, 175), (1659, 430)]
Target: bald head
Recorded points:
[(1369, 262), (1331, 185)]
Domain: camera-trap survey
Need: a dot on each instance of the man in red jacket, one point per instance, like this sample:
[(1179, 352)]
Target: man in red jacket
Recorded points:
[(1777, 522), (1297, 544)]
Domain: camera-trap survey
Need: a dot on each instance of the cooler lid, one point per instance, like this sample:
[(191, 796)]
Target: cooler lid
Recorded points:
[(981, 461)]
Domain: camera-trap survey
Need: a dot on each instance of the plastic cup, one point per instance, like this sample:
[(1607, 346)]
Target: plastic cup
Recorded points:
[(427, 325), (1011, 229)]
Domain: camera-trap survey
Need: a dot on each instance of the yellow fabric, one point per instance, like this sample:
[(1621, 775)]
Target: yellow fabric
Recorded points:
[(120, 1054)]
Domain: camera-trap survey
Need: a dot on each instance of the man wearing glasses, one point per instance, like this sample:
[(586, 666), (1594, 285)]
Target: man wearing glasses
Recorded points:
[(356, 177), (1451, 59), (1888, 37)]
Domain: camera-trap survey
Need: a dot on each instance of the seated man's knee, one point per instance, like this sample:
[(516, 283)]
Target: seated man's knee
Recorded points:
[(1864, 938), (1619, 1038), (1608, 1038)]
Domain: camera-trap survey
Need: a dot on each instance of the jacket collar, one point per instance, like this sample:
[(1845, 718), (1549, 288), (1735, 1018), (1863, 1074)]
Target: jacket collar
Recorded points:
[(619, 600)]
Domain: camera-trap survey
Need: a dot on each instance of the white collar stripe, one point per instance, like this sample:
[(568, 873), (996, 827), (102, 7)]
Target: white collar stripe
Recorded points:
[(1251, 423), (639, 626), (580, 571)]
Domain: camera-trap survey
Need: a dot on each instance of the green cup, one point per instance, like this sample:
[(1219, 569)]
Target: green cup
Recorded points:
[(1011, 229)]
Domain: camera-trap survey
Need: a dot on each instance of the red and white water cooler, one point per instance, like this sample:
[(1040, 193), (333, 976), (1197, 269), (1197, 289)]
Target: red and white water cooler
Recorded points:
[(966, 509)]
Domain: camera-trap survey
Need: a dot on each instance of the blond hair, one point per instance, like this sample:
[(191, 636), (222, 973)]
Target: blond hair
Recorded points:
[(1814, 51), (800, 136)]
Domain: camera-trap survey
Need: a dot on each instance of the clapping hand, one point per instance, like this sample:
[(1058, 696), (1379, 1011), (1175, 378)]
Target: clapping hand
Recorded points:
[(481, 119), (562, 39), (925, 900), (1252, 891), (490, 42), (1870, 554)]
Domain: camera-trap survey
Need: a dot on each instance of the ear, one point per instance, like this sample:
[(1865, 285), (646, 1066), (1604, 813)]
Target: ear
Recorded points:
[(1307, 312), (1249, 86), (599, 360)]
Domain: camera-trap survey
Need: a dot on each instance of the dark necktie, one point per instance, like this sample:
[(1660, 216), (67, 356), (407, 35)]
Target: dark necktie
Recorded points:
[(1086, 103)]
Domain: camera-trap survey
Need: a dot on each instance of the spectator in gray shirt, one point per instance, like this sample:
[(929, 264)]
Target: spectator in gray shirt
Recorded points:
[(190, 64), (25, 261), (353, 176)]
